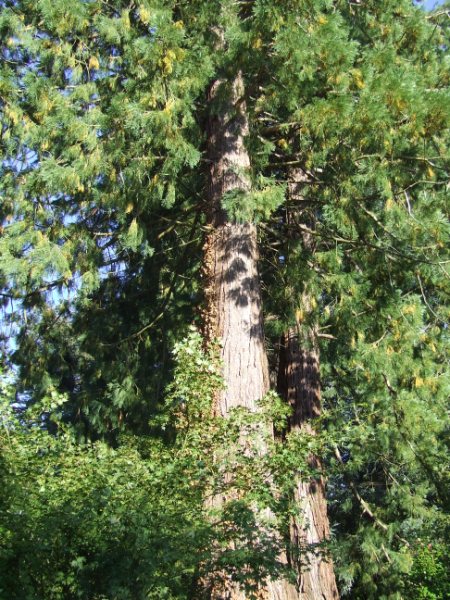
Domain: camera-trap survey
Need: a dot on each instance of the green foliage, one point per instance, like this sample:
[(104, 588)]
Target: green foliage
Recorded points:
[(256, 205), (102, 186), (91, 521), (429, 578), (364, 108)]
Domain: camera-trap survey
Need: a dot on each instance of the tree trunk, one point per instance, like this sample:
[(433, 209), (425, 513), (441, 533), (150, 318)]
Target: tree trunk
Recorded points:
[(299, 384), (232, 291), (233, 299)]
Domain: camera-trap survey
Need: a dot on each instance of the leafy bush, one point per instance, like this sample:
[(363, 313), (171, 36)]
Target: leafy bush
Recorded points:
[(430, 575), (87, 521)]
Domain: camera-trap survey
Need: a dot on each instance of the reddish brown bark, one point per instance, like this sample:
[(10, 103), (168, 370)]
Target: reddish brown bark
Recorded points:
[(234, 315), (232, 291), (299, 384)]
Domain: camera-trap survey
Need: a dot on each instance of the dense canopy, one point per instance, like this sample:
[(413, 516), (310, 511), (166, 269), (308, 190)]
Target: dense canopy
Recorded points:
[(328, 124)]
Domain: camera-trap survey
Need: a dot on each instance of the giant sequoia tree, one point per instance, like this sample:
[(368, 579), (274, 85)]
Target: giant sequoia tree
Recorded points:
[(169, 162)]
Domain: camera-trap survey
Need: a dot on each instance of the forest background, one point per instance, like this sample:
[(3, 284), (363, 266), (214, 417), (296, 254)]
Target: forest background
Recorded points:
[(110, 448)]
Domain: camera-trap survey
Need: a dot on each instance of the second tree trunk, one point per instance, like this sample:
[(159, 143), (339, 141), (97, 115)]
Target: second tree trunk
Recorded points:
[(299, 384)]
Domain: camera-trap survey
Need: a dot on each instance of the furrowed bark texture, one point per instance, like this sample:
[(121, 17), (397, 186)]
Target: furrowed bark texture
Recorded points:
[(232, 254), (299, 384), (232, 290)]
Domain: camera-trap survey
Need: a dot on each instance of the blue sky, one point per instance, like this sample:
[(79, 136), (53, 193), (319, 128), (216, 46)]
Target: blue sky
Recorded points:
[(429, 4)]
